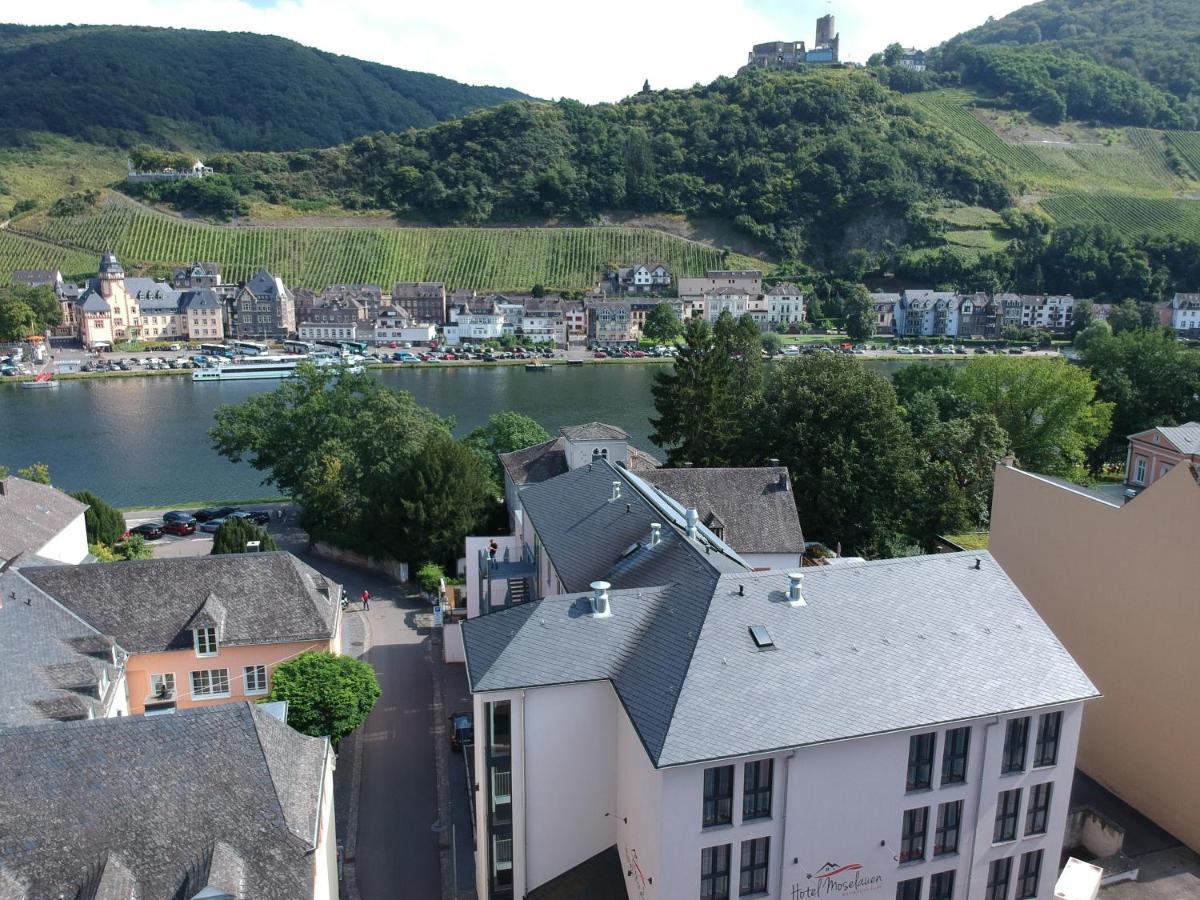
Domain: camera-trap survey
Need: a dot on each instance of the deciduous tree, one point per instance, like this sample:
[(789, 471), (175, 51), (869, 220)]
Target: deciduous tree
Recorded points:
[(235, 533), (327, 695), (662, 323), (504, 433)]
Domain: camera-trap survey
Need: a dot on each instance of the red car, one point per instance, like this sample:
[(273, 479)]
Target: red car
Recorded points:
[(600, 354), (182, 529)]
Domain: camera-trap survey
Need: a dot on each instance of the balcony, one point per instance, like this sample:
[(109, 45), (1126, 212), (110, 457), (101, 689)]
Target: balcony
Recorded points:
[(161, 702)]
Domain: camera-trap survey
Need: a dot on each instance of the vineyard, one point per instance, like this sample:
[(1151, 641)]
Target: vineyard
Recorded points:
[(17, 252), (482, 258), (950, 109), (1187, 145), (1132, 215)]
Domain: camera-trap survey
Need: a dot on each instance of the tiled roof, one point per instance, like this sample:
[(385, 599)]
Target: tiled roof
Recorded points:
[(149, 605), (204, 298), (877, 647), (755, 507), (540, 462), (165, 805), (599, 878), (91, 301), (32, 514), (785, 289), (593, 431)]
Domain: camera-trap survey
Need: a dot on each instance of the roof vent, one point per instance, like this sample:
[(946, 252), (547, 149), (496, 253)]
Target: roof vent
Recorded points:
[(616, 494), (600, 608), (772, 461), (693, 519), (655, 533), (795, 580), (761, 637)]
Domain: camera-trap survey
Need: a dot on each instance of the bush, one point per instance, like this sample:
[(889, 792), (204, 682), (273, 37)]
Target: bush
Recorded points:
[(133, 547), (104, 524), (429, 577), (234, 533), (327, 695)]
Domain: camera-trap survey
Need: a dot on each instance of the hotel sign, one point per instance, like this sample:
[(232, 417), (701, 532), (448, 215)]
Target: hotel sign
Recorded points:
[(837, 880)]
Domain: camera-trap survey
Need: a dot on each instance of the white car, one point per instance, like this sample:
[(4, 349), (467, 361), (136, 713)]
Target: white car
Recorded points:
[(904, 350), (176, 347)]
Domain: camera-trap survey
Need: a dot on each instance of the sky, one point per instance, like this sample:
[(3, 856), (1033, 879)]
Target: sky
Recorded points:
[(547, 48)]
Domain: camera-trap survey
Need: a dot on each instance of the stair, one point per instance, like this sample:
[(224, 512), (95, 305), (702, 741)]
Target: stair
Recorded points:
[(517, 592)]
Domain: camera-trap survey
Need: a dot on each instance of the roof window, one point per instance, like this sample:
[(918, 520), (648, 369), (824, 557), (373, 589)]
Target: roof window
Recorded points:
[(761, 637)]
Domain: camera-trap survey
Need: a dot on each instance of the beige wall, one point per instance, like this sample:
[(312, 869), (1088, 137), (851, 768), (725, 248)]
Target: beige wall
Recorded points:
[(1118, 586)]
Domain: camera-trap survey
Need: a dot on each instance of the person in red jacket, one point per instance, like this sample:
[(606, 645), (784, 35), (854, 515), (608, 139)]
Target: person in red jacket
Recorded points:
[(366, 601)]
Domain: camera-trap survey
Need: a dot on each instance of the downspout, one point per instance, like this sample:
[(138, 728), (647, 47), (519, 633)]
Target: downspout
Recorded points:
[(787, 767), (978, 800), (524, 801)]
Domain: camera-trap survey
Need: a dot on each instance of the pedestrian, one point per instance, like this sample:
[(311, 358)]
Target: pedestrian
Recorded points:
[(492, 548), (366, 601)]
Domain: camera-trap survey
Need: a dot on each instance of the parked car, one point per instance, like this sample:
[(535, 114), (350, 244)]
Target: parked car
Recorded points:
[(176, 347), (214, 512), (211, 526), (462, 731), (151, 531), (257, 516), (180, 529), (178, 515)]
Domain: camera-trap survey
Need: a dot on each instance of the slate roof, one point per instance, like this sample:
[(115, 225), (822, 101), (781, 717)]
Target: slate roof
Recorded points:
[(36, 277), (149, 605), (593, 431), (152, 296), (91, 301), (540, 462), (32, 514), (53, 665), (785, 289), (1185, 438), (755, 508), (162, 804), (878, 647), (203, 298), (266, 286), (602, 877)]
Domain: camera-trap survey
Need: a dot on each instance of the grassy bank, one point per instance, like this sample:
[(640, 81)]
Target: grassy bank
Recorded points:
[(200, 504)]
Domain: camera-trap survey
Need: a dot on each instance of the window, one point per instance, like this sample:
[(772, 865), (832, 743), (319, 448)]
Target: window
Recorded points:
[(210, 683), (954, 755), (163, 686), (599, 453), (206, 641), (909, 890), (920, 762), (714, 873), (1139, 476), (997, 883), (501, 787), (718, 796), (912, 834), (501, 727), (501, 852), (1039, 808), (756, 792), (754, 866), (941, 886), (1029, 876), (1045, 751), (1007, 807), (1016, 738), (949, 821), (256, 679)]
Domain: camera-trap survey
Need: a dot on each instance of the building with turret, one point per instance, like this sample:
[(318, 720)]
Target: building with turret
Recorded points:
[(789, 54)]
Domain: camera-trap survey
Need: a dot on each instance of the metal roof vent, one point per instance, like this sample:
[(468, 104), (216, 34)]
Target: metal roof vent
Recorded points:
[(795, 597), (655, 533), (600, 607), (693, 520), (616, 494), (761, 637)]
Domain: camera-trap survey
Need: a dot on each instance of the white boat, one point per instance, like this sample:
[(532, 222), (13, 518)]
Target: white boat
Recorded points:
[(240, 371), (44, 381)]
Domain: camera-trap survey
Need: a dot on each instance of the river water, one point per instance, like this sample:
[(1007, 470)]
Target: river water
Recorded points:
[(143, 441)]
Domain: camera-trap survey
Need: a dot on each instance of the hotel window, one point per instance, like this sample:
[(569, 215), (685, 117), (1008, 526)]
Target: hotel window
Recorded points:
[(210, 683), (1045, 751), (920, 762), (1016, 739), (756, 791), (501, 718), (949, 821), (909, 890), (163, 685), (1007, 807), (1139, 476), (714, 873), (912, 834), (256, 679), (997, 883), (954, 755), (1029, 875), (718, 796), (754, 866), (1039, 808), (205, 641), (941, 886)]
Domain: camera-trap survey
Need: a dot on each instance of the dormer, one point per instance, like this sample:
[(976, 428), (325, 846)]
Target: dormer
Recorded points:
[(585, 444), (207, 627)]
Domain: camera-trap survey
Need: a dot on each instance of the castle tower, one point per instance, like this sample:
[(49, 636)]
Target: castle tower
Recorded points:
[(826, 31), (111, 275)]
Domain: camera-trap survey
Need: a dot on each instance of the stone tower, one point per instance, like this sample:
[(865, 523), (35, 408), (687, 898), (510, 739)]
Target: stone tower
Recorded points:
[(111, 275), (826, 31)]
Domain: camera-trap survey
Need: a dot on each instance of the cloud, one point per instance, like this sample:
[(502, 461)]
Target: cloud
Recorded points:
[(546, 48)]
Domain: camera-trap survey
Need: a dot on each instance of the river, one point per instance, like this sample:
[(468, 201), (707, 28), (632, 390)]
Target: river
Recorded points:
[(143, 441)]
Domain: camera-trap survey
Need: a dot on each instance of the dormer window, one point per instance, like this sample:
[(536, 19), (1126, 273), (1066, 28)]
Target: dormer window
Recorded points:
[(599, 453), (206, 641)]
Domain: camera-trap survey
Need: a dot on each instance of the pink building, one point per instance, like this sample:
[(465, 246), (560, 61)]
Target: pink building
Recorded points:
[(1152, 454)]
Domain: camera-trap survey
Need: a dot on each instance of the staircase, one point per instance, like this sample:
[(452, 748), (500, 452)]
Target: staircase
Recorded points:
[(517, 591)]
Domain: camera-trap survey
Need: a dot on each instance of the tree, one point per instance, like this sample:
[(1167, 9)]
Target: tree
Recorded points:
[(235, 533), (504, 433), (429, 577), (892, 54), (17, 319), (1094, 332), (842, 435), (662, 323), (1083, 314), (538, 291), (103, 523), (133, 547), (38, 472), (858, 312), (1125, 317), (327, 695), (772, 343), (1047, 407)]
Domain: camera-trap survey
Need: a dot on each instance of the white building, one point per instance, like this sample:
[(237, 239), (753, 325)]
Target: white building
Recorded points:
[(328, 331), (927, 314), (748, 281), (906, 728), (1185, 314), (733, 300), (38, 520), (479, 323), (785, 305)]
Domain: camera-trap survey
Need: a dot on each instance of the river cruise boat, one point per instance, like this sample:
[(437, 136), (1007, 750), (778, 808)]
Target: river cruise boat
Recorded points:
[(239, 371)]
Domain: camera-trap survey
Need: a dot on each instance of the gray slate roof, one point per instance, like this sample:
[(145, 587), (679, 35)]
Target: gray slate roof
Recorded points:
[(755, 507), (1186, 437), (32, 514), (593, 431), (602, 877), (203, 298), (169, 803), (878, 647), (540, 462), (91, 301), (53, 665), (149, 605)]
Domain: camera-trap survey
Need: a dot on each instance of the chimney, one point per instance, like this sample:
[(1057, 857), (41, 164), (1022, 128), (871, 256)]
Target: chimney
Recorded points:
[(795, 580), (773, 462), (784, 484), (655, 533), (616, 495), (693, 518), (600, 608), (3, 486), (253, 546)]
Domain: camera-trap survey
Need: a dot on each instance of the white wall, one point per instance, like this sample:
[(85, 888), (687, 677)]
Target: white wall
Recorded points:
[(780, 562), (452, 643), (638, 813), (69, 545), (325, 880), (580, 454)]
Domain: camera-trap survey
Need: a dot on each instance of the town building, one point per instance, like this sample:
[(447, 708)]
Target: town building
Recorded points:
[(1154, 453), (912, 59), (200, 630), (424, 300), (107, 313), (905, 726), (369, 296), (214, 803), (1116, 581), (643, 279), (640, 309), (262, 308), (1185, 315), (42, 521), (575, 320), (927, 314), (747, 282), (883, 305), (197, 275), (393, 325), (328, 331), (610, 323), (51, 278), (785, 305), (732, 300), (478, 322), (543, 321), (978, 317)]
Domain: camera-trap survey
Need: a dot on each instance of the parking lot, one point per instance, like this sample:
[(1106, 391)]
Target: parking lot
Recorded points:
[(200, 543)]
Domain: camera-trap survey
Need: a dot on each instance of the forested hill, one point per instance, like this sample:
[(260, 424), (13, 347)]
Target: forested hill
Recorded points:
[(797, 159), (1157, 41), (208, 90)]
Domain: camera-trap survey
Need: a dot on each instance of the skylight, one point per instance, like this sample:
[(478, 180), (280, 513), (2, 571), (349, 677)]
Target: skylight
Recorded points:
[(762, 638)]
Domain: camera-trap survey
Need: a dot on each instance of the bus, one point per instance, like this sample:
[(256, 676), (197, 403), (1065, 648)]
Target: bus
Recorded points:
[(217, 350), (298, 347), (359, 347), (250, 348)]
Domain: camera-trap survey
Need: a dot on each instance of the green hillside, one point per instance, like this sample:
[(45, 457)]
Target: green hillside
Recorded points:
[(207, 90), (512, 259)]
